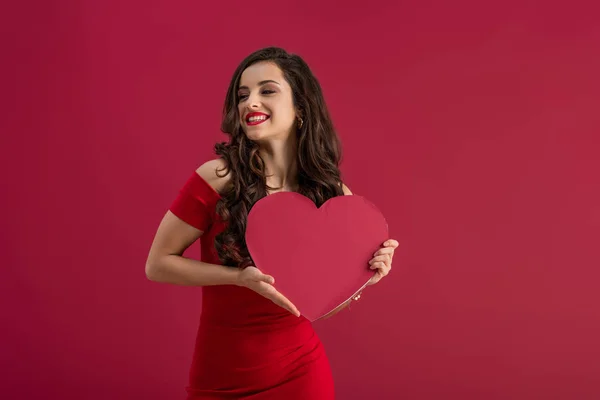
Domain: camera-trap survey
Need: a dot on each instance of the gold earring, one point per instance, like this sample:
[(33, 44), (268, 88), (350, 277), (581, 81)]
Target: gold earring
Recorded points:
[(301, 122)]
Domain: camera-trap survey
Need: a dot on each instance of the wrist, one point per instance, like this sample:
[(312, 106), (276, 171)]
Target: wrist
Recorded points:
[(224, 275), (235, 276)]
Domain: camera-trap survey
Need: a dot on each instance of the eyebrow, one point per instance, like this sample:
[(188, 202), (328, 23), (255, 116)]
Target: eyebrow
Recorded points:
[(260, 83)]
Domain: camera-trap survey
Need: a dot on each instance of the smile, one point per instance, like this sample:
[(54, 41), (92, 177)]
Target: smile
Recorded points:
[(256, 118)]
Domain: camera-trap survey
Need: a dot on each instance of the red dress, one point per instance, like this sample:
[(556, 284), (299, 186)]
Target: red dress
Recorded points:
[(247, 347)]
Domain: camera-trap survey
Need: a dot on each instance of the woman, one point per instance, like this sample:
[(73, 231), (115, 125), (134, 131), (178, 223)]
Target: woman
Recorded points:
[(252, 342)]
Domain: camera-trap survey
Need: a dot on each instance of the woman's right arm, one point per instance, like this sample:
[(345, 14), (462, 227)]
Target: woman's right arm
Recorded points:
[(166, 263)]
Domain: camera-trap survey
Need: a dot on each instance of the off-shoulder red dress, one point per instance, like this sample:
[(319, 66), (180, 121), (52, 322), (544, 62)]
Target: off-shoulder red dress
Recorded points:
[(246, 347)]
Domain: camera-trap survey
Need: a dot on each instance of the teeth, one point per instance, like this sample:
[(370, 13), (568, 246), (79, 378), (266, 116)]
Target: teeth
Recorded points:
[(259, 118)]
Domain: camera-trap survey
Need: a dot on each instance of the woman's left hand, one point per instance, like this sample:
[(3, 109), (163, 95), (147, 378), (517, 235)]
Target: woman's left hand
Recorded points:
[(382, 261)]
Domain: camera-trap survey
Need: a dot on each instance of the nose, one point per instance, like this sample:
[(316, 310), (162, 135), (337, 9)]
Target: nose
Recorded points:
[(253, 101)]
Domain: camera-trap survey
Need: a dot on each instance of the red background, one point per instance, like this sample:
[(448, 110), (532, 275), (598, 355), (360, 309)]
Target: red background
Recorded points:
[(473, 126)]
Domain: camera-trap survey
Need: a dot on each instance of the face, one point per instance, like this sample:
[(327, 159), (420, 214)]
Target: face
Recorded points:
[(266, 106)]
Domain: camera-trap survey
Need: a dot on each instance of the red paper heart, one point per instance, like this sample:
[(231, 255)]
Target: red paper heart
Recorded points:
[(318, 257)]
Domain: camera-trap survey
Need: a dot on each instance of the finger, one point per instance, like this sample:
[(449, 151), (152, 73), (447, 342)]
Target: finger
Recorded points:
[(267, 278), (385, 250), (391, 243), (381, 268), (374, 279), (377, 265), (388, 252), (385, 270), (281, 300), (383, 258), (288, 305)]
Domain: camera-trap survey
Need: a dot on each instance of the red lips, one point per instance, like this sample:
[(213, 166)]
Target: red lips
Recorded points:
[(256, 121)]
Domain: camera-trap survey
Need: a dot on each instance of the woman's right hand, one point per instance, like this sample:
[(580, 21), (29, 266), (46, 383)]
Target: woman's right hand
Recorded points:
[(251, 278)]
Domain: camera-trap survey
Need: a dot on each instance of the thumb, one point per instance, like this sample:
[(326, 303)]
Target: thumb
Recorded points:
[(267, 278)]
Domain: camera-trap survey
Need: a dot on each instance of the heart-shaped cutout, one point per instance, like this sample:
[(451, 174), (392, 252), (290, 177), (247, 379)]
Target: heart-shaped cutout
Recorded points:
[(318, 256)]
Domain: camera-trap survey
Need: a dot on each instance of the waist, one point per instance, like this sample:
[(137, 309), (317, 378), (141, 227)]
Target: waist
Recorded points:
[(240, 308)]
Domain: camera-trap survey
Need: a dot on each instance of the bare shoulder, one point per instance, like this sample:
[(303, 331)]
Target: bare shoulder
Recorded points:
[(213, 172), (347, 191)]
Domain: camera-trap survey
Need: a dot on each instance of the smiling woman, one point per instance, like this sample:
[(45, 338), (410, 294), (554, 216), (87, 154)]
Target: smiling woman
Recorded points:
[(272, 96), (252, 342)]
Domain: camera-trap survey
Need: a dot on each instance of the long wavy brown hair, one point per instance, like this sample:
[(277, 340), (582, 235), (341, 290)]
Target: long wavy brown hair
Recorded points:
[(319, 153)]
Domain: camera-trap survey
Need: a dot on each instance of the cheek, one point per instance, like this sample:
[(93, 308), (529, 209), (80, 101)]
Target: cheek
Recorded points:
[(283, 114)]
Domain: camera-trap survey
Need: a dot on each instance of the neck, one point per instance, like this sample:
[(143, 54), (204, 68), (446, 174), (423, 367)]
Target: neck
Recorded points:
[(280, 164)]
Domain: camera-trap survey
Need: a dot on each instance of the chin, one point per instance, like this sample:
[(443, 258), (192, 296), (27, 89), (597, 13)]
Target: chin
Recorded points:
[(259, 133), (256, 135), (264, 134)]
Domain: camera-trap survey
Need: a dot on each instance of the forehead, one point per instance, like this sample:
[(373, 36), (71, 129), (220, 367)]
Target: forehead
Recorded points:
[(261, 71)]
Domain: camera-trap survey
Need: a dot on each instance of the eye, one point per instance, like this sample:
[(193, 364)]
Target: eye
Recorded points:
[(268, 91), (242, 96)]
